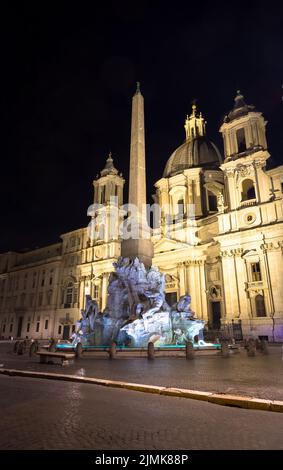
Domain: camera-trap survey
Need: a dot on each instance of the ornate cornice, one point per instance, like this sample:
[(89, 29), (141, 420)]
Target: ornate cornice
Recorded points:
[(272, 246), (235, 252)]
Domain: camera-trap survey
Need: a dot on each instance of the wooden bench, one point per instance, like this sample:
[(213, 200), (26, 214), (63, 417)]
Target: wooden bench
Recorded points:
[(45, 355)]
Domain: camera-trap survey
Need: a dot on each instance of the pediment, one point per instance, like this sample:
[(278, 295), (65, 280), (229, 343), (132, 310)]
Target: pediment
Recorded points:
[(165, 244)]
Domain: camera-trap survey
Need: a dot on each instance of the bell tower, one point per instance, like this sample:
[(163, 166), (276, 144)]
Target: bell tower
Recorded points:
[(108, 198), (245, 150)]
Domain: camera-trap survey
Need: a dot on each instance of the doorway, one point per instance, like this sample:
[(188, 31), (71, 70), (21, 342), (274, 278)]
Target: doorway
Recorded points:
[(215, 315), (66, 332), (20, 325)]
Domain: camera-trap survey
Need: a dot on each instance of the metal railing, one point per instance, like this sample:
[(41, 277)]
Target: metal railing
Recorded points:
[(229, 331)]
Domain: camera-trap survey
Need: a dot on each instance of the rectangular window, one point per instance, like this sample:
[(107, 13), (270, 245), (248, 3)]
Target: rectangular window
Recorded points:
[(40, 298), (11, 327), (212, 202), (4, 328), (96, 292), (69, 296), (37, 326), (256, 273), (59, 329), (73, 328), (49, 297), (31, 300), (28, 327), (46, 325)]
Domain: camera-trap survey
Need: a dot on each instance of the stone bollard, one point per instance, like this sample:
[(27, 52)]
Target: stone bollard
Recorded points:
[(33, 349), (20, 349), (224, 348), (264, 347), (251, 347), (52, 345), (190, 352), (150, 351), (79, 350), (112, 351)]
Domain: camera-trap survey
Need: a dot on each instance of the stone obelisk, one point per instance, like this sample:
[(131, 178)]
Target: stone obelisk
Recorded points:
[(139, 244)]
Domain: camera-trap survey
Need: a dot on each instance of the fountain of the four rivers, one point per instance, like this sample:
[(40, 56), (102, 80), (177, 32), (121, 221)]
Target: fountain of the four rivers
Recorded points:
[(136, 312)]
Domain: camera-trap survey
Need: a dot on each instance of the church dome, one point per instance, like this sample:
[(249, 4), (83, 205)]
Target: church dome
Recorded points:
[(197, 151), (240, 108)]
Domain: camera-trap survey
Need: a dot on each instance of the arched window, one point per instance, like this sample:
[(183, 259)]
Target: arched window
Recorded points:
[(241, 140), (102, 194), (260, 306), (248, 190)]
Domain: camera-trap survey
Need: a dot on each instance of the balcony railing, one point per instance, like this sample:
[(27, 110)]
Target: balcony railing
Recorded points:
[(255, 285), (251, 202)]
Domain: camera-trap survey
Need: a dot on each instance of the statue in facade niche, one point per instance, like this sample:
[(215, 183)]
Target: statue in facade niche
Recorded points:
[(137, 312)]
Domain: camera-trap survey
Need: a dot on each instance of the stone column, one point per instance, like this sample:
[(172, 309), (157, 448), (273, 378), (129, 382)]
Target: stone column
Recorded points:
[(204, 312), (230, 285), (192, 284), (104, 291), (82, 292), (181, 272), (232, 191), (241, 280)]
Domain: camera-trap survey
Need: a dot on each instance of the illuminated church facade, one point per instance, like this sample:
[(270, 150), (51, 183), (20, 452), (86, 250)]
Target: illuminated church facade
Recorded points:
[(228, 255)]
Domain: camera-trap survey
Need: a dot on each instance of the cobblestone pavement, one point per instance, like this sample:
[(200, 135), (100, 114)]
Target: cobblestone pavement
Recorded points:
[(39, 414), (259, 376)]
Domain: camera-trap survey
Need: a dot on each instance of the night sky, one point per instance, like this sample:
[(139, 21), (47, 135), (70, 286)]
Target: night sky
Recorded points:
[(68, 75)]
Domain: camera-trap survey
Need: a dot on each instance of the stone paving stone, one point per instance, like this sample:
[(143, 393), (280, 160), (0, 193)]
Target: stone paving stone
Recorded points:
[(42, 414)]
